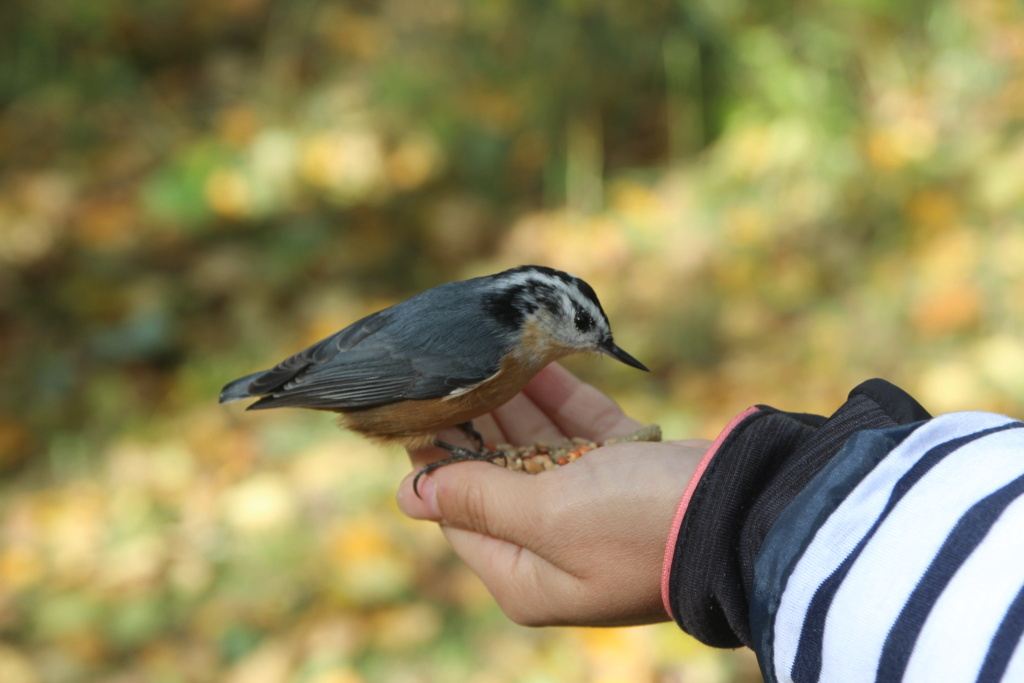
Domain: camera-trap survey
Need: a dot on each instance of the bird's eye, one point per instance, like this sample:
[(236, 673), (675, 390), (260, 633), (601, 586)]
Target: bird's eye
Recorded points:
[(584, 321)]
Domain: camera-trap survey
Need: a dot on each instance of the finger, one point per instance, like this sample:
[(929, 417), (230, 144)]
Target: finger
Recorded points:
[(576, 407), (534, 591), (524, 423), (529, 589), (490, 429), (483, 498)]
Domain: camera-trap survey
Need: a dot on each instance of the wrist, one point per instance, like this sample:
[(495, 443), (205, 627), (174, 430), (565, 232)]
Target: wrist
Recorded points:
[(684, 502)]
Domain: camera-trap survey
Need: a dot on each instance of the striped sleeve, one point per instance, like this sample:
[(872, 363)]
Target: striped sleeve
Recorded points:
[(762, 461), (901, 560)]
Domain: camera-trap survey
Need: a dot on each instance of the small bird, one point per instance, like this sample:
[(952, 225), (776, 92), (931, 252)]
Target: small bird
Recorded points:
[(440, 359)]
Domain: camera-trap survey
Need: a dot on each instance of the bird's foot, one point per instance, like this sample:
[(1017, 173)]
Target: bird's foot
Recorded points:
[(459, 454), (472, 434)]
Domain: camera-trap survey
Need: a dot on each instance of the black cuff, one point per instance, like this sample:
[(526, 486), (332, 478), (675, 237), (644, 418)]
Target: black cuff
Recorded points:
[(758, 469)]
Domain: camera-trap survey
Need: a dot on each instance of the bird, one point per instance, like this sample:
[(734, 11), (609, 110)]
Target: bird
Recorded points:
[(440, 359)]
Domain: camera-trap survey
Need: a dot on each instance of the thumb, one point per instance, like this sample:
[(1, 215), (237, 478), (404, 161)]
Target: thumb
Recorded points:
[(479, 497)]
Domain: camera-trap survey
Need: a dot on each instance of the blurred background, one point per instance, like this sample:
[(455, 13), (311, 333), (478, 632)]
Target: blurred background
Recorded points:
[(774, 201)]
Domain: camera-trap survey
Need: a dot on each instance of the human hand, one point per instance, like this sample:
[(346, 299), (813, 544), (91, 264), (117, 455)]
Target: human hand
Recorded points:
[(582, 544)]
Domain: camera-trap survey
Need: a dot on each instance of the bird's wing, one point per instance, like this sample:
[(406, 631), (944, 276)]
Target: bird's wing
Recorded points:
[(321, 352), (369, 364)]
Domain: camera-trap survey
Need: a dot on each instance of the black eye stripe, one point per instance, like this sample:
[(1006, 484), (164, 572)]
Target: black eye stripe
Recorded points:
[(545, 295)]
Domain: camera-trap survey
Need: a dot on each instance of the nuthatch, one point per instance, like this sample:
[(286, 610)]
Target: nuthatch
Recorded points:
[(440, 359)]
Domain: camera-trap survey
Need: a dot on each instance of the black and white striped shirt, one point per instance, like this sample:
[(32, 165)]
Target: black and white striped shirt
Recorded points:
[(900, 558)]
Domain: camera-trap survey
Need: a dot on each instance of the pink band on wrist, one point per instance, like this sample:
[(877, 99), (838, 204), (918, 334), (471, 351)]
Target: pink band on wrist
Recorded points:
[(677, 521)]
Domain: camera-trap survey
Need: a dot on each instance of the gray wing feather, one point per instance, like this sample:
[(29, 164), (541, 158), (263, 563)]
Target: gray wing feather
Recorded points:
[(425, 347)]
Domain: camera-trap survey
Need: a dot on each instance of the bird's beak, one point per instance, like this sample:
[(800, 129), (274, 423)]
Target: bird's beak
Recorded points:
[(615, 352)]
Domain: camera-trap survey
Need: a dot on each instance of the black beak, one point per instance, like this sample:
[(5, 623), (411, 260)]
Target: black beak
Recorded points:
[(615, 352)]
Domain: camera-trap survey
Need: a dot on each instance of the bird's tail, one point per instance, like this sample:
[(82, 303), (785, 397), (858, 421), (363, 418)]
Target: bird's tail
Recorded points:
[(238, 389)]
